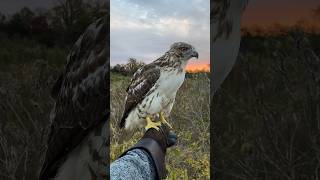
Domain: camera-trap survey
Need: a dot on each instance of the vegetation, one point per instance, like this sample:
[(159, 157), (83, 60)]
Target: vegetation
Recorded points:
[(129, 68), (24, 111), (190, 120), (266, 115), (33, 49), (59, 26)]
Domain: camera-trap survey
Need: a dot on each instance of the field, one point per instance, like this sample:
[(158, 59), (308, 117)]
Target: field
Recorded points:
[(266, 116), (28, 70), (189, 159)]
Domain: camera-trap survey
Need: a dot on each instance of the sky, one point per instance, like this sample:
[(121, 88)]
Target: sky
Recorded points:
[(287, 12), (145, 29)]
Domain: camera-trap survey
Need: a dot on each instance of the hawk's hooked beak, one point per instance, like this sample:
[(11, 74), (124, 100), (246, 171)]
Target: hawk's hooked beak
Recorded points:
[(195, 54)]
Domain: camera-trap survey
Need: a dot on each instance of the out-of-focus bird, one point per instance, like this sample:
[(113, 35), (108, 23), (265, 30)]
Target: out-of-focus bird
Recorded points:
[(225, 25), (78, 140), (153, 88)]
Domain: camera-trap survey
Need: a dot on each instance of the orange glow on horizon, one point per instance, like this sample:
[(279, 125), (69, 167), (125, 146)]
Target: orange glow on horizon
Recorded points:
[(198, 68)]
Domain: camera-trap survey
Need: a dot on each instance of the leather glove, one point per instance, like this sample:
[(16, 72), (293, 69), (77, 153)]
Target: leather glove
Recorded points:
[(164, 137), (155, 143)]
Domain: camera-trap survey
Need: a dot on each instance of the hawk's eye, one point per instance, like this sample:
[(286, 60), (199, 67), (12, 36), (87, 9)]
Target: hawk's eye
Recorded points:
[(183, 48)]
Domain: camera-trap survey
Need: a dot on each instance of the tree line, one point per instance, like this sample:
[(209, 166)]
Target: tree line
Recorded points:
[(129, 68), (59, 26)]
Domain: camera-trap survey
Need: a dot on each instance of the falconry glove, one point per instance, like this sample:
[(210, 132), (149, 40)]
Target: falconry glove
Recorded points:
[(155, 143)]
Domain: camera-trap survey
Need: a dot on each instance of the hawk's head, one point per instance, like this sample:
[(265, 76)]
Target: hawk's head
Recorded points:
[(183, 50)]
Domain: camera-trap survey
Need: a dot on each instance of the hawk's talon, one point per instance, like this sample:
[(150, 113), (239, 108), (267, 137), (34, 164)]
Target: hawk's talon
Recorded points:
[(151, 124), (163, 120)]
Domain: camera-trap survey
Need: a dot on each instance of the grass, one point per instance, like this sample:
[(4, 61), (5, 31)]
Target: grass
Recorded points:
[(27, 72), (189, 159), (266, 114)]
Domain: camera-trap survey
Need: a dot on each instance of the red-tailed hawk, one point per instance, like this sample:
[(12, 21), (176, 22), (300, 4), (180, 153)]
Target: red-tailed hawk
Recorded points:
[(154, 86), (78, 139)]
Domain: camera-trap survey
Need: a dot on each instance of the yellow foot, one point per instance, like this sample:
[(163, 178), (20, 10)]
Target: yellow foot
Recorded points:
[(151, 124), (163, 120)]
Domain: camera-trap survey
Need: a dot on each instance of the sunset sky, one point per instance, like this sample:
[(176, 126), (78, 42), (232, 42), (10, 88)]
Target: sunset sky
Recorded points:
[(287, 12), (145, 29)]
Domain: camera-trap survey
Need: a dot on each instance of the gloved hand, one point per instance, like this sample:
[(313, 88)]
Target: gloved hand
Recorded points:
[(164, 137), (155, 143)]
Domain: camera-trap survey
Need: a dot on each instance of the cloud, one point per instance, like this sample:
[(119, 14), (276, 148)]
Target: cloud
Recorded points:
[(145, 29)]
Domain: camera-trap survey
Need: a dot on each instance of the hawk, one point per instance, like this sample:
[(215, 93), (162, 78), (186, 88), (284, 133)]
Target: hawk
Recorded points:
[(77, 146), (153, 88)]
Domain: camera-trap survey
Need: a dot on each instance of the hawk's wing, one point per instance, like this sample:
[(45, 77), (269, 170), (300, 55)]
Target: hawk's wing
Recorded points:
[(81, 96), (141, 83)]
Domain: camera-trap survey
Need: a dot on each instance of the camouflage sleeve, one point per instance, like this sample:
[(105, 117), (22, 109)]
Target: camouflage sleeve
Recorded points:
[(136, 164)]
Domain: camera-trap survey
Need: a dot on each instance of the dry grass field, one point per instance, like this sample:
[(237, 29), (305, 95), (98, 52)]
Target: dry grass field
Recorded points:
[(190, 118)]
